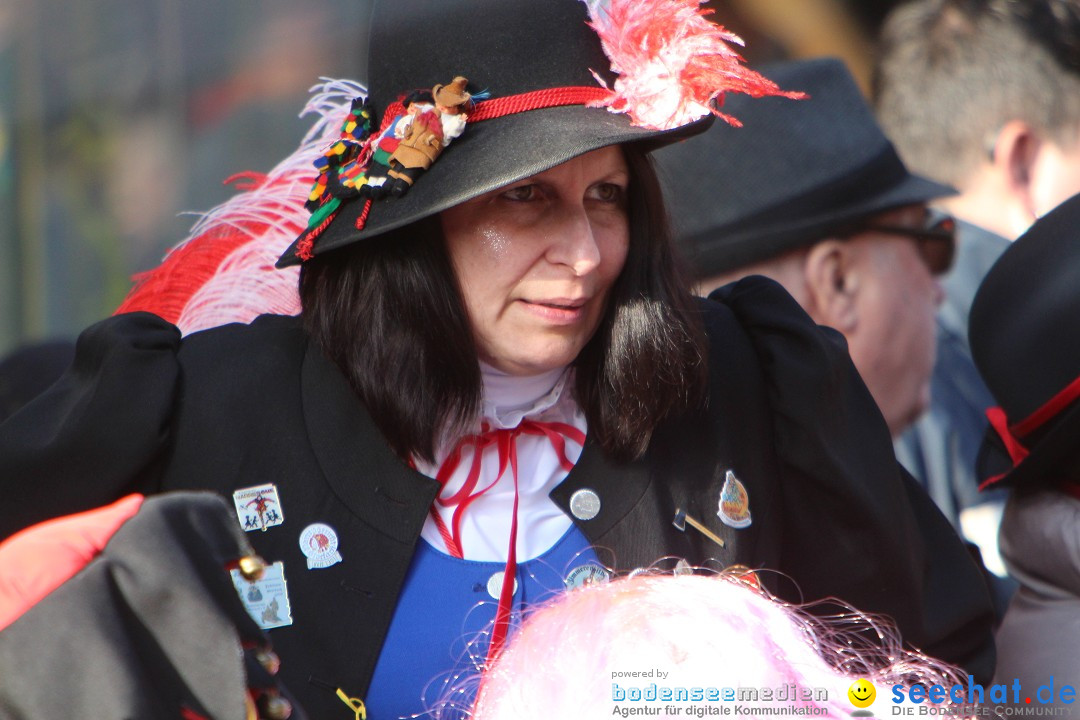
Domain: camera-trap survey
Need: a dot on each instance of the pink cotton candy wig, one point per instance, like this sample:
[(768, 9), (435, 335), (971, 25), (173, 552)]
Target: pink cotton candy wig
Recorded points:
[(703, 631)]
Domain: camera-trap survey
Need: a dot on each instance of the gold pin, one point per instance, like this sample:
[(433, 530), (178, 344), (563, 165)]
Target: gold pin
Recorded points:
[(252, 567)]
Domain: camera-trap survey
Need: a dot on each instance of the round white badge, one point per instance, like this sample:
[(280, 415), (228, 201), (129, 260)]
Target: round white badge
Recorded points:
[(585, 575), (319, 543), (495, 584)]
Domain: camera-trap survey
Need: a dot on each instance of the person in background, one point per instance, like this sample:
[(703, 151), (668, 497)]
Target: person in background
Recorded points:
[(983, 95), (1026, 344), (812, 194)]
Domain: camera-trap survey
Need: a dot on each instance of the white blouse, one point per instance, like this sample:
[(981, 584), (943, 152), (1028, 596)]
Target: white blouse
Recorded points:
[(485, 524)]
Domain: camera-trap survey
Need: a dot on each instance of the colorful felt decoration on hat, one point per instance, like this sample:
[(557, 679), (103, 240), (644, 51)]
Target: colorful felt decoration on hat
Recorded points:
[(341, 166), (412, 136)]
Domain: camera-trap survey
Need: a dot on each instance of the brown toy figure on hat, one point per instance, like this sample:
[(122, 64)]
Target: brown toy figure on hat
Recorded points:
[(430, 129)]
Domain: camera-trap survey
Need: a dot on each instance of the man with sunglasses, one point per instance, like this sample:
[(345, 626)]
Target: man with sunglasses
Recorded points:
[(983, 95), (812, 194)]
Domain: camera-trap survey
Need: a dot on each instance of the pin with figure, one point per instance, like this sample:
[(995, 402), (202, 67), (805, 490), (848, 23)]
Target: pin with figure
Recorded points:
[(734, 506), (258, 507)]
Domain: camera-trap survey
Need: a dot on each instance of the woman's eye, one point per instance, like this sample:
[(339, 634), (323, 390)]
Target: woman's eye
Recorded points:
[(609, 192), (522, 193)]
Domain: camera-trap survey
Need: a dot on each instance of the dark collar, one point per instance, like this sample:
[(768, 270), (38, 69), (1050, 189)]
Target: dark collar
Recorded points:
[(384, 492), (619, 487), (360, 467)]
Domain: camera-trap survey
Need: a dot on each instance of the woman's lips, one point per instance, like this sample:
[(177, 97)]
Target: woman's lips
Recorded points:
[(559, 311)]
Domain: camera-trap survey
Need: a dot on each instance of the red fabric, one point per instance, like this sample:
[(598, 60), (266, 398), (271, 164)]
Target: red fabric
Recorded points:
[(513, 104), (1017, 452), (1010, 434), (41, 558), (506, 443), (505, 440), (362, 220), (429, 121), (551, 97), (1049, 410), (1071, 488)]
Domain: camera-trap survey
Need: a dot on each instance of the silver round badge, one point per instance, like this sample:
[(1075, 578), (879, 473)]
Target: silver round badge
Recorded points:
[(495, 584), (585, 504)]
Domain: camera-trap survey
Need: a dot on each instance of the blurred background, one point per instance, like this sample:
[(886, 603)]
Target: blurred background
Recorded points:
[(118, 116)]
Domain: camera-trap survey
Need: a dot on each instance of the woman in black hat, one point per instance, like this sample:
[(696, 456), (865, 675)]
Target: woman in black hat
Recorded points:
[(498, 386), (1025, 342)]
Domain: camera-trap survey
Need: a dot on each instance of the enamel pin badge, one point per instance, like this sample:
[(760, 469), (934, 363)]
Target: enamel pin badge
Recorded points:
[(319, 543), (259, 507), (734, 508), (585, 575), (266, 599)]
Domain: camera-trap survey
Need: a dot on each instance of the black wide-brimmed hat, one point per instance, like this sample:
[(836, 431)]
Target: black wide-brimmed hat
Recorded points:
[(1025, 339), (540, 91), (796, 173)]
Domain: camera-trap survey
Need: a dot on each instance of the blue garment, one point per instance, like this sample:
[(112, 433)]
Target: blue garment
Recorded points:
[(439, 633)]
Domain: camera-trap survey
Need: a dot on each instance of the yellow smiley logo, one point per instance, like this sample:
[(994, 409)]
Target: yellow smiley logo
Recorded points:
[(861, 693)]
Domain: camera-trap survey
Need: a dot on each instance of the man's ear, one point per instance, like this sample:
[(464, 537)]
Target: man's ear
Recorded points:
[(832, 284), (1013, 155)]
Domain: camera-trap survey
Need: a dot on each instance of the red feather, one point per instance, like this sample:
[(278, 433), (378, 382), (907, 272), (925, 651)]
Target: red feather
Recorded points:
[(674, 65), (224, 272)]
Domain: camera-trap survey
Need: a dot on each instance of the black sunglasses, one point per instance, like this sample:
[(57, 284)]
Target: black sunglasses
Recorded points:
[(935, 240)]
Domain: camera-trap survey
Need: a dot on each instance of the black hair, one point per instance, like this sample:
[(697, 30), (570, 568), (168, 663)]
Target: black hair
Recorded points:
[(389, 313)]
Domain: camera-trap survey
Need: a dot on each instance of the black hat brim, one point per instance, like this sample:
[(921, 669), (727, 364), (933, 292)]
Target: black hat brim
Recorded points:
[(492, 154), (757, 238), (797, 172), (1043, 464)]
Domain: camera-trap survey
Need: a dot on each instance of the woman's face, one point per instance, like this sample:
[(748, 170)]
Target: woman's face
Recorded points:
[(536, 260)]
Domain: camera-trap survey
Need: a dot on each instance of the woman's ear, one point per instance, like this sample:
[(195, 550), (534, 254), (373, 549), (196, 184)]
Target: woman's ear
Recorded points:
[(832, 281)]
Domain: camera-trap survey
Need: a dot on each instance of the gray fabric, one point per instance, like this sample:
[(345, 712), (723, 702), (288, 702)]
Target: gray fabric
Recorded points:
[(1040, 540), (150, 625)]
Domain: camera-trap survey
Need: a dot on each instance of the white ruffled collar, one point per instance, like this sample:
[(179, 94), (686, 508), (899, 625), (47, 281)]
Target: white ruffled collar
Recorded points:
[(508, 399)]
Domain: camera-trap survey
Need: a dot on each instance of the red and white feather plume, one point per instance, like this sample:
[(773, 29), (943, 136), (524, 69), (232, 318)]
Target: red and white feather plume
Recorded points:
[(224, 270), (674, 65)]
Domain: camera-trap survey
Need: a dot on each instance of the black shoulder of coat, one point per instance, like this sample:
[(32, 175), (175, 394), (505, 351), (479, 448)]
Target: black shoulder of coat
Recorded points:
[(86, 440), (242, 351), (853, 527)]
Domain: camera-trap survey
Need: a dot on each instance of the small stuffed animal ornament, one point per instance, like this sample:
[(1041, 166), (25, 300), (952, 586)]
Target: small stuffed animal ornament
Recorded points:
[(428, 129)]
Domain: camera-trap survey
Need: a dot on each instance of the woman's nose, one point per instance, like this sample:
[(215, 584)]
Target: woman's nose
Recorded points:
[(574, 243)]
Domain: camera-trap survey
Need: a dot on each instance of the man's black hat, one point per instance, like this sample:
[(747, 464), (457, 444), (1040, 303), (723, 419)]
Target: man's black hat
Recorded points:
[(1025, 340), (505, 49), (796, 173)]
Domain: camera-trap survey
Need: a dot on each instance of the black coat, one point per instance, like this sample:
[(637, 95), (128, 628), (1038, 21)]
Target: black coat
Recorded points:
[(245, 405)]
